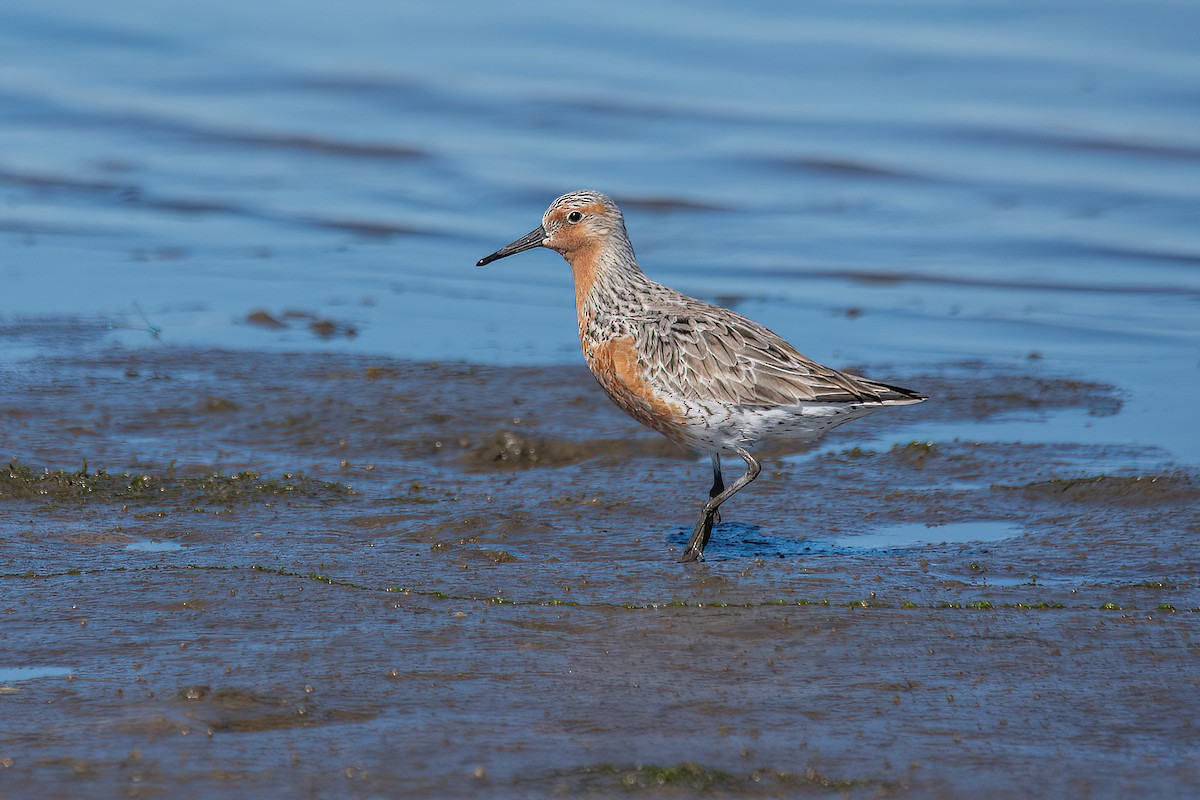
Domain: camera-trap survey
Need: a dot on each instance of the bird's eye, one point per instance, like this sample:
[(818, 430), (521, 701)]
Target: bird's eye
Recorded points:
[(575, 216)]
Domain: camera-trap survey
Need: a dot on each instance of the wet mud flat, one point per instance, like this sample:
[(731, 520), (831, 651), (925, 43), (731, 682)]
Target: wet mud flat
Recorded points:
[(327, 575)]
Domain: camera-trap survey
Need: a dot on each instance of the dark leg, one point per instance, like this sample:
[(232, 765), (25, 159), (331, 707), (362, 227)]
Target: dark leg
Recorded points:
[(704, 524), (718, 484)]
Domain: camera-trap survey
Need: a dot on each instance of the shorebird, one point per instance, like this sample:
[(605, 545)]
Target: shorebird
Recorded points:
[(703, 376)]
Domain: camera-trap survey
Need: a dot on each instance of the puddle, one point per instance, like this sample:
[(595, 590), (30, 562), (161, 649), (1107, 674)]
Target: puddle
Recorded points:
[(918, 533), (16, 674), (151, 546), (735, 540), (1006, 581), (738, 540)]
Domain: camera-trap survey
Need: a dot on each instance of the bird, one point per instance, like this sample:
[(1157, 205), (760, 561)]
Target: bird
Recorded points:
[(701, 375)]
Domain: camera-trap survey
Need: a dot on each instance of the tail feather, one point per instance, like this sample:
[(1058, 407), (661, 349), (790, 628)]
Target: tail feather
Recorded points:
[(886, 393)]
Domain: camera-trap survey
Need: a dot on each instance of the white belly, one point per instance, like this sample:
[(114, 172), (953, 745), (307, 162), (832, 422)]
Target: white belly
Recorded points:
[(720, 428)]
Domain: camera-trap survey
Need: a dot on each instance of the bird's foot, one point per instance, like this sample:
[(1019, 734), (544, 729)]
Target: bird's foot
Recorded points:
[(700, 534)]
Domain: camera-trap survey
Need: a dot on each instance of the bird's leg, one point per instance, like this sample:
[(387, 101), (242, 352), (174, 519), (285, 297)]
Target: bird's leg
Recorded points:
[(710, 519), (718, 484), (704, 525)]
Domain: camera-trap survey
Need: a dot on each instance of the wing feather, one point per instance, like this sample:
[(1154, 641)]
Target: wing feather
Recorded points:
[(705, 353)]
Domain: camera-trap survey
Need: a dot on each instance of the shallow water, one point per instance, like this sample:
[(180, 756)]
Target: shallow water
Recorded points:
[(150, 546), (921, 533), (301, 559), (16, 674), (887, 185)]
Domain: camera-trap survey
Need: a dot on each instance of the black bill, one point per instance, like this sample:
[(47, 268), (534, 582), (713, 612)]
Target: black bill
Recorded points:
[(527, 242)]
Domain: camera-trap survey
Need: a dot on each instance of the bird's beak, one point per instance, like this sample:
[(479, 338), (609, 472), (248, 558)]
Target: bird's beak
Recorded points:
[(527, 242)]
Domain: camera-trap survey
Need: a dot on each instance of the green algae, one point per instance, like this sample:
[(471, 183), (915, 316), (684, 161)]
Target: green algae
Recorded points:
[(812, 778), (689, 779), (241, 710), (686, 775), (1110, 488), (551, 602), (1164, 584), (853, 453), (916, 453), (415, 500), (419, 494), (21, 482)]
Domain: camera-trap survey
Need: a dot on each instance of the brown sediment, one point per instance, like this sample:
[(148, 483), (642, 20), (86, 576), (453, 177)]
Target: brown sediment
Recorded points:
[(508, 450), (495, 608), (264, 319), (327, 329), (1113, 489), (240, 710)]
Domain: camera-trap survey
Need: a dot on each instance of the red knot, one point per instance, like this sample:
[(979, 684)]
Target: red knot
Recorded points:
[(699, 374)]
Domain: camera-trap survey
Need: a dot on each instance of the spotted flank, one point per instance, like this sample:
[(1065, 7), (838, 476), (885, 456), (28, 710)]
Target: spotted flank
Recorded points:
[(699, 374)]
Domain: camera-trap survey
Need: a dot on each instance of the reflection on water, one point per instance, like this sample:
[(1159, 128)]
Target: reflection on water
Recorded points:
[(150, 546), (883, 185), (918, 533), (16, 674)]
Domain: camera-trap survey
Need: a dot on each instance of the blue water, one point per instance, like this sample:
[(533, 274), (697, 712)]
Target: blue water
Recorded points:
[(17, 674), (970, 181), (151, 546), (917, 533)]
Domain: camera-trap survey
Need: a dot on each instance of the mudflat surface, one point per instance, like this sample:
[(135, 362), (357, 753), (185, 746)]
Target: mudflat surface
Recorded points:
[(331, 575)]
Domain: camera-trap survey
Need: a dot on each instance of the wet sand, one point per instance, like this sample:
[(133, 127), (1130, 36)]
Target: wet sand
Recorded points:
[(333, 575)]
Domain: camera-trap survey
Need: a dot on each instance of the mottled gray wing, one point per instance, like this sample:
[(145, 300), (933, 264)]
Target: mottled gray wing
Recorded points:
[(698, 351)]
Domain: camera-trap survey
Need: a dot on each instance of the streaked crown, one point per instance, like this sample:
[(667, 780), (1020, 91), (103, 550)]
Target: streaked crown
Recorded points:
[(600, 207)]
